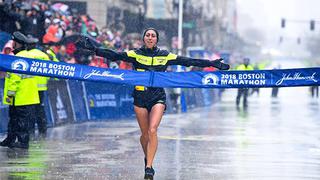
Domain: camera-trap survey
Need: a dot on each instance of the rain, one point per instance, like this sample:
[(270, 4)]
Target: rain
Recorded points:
[(240, 117)]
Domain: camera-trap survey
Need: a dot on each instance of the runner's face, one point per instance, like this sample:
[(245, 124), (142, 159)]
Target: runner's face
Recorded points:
[(150, 38)]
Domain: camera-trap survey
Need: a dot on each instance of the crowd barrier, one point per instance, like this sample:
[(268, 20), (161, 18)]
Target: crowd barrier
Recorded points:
[(72, 101)]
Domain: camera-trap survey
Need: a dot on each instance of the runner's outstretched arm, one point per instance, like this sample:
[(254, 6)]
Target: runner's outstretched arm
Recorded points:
[(187, 61), (88, 43)]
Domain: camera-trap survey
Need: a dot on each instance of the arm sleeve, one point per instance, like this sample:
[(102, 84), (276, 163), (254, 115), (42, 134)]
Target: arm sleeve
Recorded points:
[(186, 61), (113, 55)]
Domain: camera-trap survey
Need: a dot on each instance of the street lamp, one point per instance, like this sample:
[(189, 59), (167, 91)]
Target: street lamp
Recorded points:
[(180, 22)]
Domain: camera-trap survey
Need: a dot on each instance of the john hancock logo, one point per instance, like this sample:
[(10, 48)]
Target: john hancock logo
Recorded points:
[(296, 76), (210, 79), (20, 65)]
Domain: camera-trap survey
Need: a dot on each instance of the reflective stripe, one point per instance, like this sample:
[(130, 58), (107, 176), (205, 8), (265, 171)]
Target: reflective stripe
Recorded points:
[(42, 85), (11, 93), (146, 60), (171, 57), (151, 61), (160, 60), (131, 53), (24, 76), (140, 88)]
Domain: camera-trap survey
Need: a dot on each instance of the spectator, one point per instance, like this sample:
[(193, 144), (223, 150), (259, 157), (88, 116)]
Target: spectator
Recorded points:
[(275, 90), (8, 48), (93, 30), (51, 35), (98, 62), (62, 54), (314, 91), (8, 17), (125, 65), (117, 42)]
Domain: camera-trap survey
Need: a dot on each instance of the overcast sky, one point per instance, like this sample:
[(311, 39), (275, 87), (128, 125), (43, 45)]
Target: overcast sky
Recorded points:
[(266, 15)]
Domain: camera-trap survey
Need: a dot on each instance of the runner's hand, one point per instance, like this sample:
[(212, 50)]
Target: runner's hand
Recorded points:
[(85, 42), (220, 65)]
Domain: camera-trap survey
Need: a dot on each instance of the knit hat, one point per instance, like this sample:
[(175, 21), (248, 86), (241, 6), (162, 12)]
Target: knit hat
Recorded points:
[(150, 28)]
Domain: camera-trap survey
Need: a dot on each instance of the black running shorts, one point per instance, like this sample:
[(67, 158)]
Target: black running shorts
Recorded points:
[(149, 97)]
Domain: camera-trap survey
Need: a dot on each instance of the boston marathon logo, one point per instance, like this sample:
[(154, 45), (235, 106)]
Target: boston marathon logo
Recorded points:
[(243, 79), (210, 79), (20, 65), (295, 77)]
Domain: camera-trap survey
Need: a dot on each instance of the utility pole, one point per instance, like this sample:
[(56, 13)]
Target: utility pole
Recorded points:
[(180, 44), (180, 22)]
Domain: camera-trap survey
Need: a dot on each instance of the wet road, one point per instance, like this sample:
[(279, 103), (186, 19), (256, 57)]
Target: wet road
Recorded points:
[(274, 139)]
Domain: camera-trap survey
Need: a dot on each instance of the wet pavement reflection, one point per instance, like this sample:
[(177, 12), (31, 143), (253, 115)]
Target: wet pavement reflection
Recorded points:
[(271, 139)]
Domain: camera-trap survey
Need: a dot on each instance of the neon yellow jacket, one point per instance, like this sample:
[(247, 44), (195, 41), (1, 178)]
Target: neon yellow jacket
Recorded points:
[(52, 55), (242, 67), (42, 80), (21, 89)]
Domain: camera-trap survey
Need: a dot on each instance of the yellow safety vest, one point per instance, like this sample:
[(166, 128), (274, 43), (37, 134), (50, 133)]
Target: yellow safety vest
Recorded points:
[(52, 55), (42, 80), (21, 88), (242, 67)]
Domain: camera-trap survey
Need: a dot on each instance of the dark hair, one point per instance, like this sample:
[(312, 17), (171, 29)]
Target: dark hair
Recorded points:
[(246, 59), (150, 28)]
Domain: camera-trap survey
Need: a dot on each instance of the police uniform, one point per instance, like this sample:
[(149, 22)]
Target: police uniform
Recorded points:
[(42, 84), (145, 59), (243, 91), (22, 91)]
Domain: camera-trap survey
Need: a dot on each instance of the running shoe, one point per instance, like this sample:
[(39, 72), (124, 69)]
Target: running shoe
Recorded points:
[(6, 143), (149, 173)]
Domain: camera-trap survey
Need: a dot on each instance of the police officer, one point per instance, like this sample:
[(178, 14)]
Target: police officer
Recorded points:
[(49, 51), (21, 94), (44, 52), (245, 66), (42, 81)]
